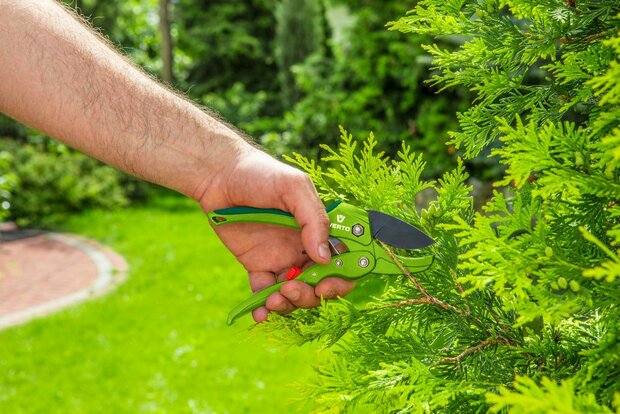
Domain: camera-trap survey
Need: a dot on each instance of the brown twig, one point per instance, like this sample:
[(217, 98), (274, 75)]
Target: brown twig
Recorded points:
[(404, 303), (459, 288), (412, 301), (585, 39), (405, 271), (458, 358), (430, 298)]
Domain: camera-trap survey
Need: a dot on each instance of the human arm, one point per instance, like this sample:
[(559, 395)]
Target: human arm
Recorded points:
[(56, 75)]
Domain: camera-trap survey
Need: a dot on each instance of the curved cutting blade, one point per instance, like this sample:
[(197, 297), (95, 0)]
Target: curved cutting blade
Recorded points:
[(397, 233)]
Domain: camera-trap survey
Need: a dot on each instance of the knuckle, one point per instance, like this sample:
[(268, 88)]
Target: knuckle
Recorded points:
[(307, 180), (302, 179), (276, 304), (322, 218), (298, 178), (290, 182)]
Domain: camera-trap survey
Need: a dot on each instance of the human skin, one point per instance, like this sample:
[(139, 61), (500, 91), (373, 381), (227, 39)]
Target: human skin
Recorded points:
[(59, 77)]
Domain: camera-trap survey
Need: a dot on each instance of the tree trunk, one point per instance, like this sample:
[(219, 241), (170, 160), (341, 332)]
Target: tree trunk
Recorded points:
[(166, 40)]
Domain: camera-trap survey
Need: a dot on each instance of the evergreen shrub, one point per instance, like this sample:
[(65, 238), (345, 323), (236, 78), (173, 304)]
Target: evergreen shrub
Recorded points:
[(520, 310)]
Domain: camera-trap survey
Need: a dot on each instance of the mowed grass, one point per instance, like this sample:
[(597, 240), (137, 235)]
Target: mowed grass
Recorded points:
[(158, 343)]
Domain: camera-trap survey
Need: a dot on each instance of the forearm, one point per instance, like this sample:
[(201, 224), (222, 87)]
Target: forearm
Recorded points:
[(59, 77)]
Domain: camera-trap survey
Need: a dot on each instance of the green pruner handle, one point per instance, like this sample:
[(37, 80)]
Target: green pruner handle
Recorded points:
[(255, 301), (344, 266), (252, 215), (257, 215)]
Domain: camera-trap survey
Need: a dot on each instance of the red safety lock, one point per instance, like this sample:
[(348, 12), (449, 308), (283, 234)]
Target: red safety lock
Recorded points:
[(293, 272)]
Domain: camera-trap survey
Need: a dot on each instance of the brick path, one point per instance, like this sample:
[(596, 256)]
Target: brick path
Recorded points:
[(43, 272)]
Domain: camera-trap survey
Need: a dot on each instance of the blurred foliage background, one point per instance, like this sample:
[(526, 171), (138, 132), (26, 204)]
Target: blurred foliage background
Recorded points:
[(286, 72)]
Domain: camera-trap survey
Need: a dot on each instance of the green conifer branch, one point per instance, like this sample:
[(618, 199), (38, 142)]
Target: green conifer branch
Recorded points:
[(430, 298)]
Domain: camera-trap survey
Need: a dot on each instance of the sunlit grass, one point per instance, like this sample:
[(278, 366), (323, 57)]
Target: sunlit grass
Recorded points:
[(159, 343)]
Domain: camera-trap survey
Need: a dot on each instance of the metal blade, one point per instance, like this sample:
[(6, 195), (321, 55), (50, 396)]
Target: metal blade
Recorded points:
[(396, 232), (336, 246)]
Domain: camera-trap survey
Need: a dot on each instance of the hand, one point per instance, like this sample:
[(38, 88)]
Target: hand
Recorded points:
[(267, 252)]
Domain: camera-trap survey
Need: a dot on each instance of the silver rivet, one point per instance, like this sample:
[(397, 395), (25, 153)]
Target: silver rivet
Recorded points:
[(363, 262), (357, 230), (338, 262)]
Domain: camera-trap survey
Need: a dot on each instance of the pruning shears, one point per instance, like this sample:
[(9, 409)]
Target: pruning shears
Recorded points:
[(354, 243)]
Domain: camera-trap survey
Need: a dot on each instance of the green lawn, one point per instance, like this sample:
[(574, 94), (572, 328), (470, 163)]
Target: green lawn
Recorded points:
[(159, 343)]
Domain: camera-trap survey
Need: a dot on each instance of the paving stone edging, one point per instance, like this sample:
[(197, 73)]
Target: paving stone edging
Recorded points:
[(111, 270)]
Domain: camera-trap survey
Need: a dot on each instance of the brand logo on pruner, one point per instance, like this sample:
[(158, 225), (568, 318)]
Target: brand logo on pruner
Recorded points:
[(340, 218)]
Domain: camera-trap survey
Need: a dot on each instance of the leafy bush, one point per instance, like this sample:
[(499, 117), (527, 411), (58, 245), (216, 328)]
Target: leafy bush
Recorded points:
[(53, 182), (240, 107), (371, 79), (520, 310)]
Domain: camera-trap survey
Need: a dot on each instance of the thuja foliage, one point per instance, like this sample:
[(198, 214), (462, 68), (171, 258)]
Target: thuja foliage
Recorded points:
[(520, 309)]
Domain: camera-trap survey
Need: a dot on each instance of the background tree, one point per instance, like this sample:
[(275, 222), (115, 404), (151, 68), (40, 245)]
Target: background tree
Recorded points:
[(299, 34), (221, 43)]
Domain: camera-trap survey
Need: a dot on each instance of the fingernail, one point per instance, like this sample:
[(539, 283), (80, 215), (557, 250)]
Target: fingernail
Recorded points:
[(293, 295), (324, 251)]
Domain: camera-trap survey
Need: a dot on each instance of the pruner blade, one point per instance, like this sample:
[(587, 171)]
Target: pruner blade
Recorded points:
[(397, 233)]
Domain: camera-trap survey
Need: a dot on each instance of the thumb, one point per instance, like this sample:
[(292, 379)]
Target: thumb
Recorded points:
[(309, 211)]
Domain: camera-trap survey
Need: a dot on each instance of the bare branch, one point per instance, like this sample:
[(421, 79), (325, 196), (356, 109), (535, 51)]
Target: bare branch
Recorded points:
[(404, 303), (430, 298), (458, 358), (585, 39)]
